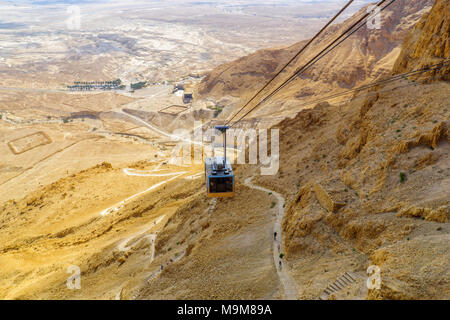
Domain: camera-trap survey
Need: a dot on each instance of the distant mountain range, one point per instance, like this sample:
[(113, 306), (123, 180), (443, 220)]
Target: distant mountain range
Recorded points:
[(367, 55)]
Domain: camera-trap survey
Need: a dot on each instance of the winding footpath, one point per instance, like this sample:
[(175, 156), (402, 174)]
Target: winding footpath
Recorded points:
[(127, 243), (288, 283), (118, 206), (140, 173)]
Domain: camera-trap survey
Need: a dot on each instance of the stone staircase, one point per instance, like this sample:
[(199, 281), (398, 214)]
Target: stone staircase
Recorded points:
[(342, 282)]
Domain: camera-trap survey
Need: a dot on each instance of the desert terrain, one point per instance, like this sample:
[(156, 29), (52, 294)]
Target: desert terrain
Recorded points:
[(92, 179), (51, 44)]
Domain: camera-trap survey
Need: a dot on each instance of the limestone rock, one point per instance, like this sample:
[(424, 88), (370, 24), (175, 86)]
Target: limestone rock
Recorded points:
[(325, 200)]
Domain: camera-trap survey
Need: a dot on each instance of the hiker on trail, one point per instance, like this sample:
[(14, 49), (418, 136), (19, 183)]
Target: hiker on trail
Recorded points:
[(275, 236), (280, 265), (279, 248), (162, 268)]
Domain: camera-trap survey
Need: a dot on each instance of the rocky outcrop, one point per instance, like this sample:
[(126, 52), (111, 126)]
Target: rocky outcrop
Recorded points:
[(441, 214), (415, 269), (432, 139), (325, 200), (428, 43)]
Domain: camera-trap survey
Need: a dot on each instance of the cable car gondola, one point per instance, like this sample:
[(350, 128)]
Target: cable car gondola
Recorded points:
[(219, 174)]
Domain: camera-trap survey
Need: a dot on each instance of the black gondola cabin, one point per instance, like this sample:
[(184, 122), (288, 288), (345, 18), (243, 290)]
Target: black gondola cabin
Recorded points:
[(219, 174), (219, 178)]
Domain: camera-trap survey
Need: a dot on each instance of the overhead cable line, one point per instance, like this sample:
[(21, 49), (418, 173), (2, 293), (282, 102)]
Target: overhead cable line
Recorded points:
[(293, 58), (351, 30), (320, 56)]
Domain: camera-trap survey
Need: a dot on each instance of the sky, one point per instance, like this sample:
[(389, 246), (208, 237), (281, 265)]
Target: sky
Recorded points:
[(81, 2)]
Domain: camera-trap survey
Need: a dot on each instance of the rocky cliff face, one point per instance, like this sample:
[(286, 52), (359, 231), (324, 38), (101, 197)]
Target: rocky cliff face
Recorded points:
[(368, 182), (367, 55), (428, 43)]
